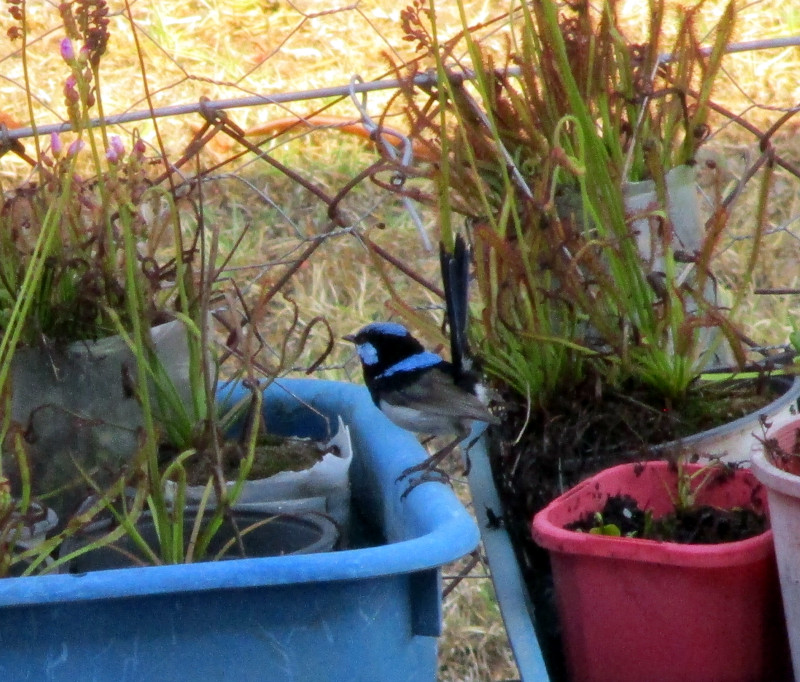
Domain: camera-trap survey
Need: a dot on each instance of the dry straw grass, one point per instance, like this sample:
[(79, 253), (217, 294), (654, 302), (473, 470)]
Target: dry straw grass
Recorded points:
[(232, 48)]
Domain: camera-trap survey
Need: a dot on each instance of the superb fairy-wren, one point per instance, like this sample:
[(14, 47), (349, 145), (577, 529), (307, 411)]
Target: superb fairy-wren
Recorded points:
[(417, 389)]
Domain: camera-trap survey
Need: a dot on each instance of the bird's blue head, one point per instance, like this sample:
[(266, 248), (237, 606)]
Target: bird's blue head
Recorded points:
[(387, 349)]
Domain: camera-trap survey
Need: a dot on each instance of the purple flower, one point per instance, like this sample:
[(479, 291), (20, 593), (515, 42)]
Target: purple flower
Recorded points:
[(67, 51), (56, 146), (75, 147), (116, 150)]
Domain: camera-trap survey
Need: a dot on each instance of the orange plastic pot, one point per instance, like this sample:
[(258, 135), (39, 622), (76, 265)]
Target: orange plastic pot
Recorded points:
[(634, 610)]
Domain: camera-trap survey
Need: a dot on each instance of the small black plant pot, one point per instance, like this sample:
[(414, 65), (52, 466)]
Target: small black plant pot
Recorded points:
[(263, 535)]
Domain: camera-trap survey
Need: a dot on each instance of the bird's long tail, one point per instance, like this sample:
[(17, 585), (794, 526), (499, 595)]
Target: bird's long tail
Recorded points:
[(455, 279)]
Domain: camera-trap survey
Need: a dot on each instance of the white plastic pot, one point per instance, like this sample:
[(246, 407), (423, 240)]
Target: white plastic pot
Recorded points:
[(683, 210), (738, 441), (688, 233), (36, 524), (643, 210), (783, 495), (325, 487)]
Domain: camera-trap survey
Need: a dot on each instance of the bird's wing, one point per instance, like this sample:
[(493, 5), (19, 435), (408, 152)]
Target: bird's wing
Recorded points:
[(434, 392)]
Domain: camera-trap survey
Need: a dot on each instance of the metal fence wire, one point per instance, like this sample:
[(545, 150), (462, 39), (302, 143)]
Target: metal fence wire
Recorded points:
[(169, 71)]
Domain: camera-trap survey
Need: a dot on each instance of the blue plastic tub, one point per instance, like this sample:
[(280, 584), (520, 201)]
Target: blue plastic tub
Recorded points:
[(364, 614)]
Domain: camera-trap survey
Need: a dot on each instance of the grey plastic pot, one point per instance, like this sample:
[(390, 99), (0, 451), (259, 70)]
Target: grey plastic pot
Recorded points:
[(78, 412)]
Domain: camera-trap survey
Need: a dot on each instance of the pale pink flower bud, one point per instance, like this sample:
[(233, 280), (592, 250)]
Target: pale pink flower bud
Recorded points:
[(75, 147), (70, 93), (116, 150), (139, 148)]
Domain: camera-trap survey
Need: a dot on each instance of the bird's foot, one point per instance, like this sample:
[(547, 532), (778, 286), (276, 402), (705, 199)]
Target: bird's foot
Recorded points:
[(429, 469), (426, 466), (433, 475)]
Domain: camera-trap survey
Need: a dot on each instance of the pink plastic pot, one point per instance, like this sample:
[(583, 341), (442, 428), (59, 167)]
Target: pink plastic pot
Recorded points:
[(635, 610)]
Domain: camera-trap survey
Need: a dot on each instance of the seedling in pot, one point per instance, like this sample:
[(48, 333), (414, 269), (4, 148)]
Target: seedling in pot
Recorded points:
[(688, 523)]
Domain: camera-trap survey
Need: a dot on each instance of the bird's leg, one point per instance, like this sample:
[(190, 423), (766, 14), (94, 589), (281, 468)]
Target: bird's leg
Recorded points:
[(467, 462), (430, 464), (424, 442), (429, 469)]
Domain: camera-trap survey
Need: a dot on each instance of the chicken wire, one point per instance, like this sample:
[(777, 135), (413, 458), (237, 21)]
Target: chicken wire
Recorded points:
[(192, 76)]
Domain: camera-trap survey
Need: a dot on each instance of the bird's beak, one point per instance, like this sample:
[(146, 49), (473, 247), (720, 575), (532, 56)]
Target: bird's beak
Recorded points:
[(350, 337)]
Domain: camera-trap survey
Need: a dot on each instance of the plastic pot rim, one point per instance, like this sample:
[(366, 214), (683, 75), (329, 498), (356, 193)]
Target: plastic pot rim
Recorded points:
[(555, 538), (772, 476)]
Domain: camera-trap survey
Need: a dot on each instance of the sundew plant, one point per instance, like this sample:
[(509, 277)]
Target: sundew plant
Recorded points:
[(535, 146), (93, 245)]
